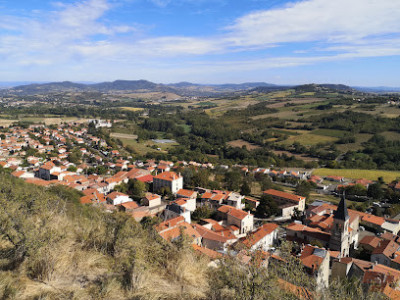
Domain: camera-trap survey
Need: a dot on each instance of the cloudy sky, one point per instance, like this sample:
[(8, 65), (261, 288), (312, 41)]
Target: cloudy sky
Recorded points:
[(354, 42)]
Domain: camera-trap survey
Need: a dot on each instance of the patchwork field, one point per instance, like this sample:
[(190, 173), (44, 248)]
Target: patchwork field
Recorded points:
[(299, 102), (309, 139), (241, 143), (6, 123), (298, 156), (360, 138), (152, 95), (391, 135), (383, 110), (47, 121), (329, 132), (146, 146), (132, 108), (223, 105), (123, 136), (388, 176), (281, 94)]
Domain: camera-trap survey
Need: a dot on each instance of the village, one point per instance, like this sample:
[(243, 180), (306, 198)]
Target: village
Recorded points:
[(331, 241)]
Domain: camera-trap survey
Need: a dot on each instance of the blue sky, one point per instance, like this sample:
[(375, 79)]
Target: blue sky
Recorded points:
[(355, 42)]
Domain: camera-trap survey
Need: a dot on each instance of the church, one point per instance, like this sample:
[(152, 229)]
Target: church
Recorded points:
[(329, 226)]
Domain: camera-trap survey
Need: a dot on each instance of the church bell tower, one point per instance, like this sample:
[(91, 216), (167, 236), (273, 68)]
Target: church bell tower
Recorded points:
[(340, 235)]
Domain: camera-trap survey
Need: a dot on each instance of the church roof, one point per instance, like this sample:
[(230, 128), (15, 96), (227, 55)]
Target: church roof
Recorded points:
[(341, 212)]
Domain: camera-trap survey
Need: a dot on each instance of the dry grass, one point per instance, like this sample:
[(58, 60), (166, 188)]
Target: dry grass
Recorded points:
[(297, 101), (152, 95), (241, 143), (309, 139), (47, 121), (123, 136), (388, 176), (132, 108), (391, 135)]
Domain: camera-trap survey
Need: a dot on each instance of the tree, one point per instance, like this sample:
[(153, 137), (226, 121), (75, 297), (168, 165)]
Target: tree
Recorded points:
[(202, 212), (137, 188), (122, 188), (375, 191), (266, 183), (245, 189), (72, 168), (187, 175), (165, 191), (149, 222), (75, 156), (297, 214), (357, 189), (267, 207), (200, 178), (233, 180), (304, 188)]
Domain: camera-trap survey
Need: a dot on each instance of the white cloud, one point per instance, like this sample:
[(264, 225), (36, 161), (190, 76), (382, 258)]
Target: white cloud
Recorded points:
[(317, 20), (79, 36)]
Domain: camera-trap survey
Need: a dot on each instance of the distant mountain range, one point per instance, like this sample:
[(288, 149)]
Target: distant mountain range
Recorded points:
[(181, 88)]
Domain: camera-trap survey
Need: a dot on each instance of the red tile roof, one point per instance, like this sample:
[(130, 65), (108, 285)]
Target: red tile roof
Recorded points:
[(168, 176), (172, 229), (234, 212), (150, 196), (114, 195), (309, 231), (211, 235), (387, 248), (260, 233), (208, 252), (309, 259), (186, 193), (280, 194), (370, 240), (129, 205), (206, 195), (146, 178), (37, 181), (373, 219)]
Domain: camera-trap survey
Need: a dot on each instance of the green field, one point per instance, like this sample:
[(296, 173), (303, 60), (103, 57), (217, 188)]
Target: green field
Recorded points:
[(360, 138), (207, 103), (391, 135), (307, 94), (388, 176), (287, 132), (329, 132)]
